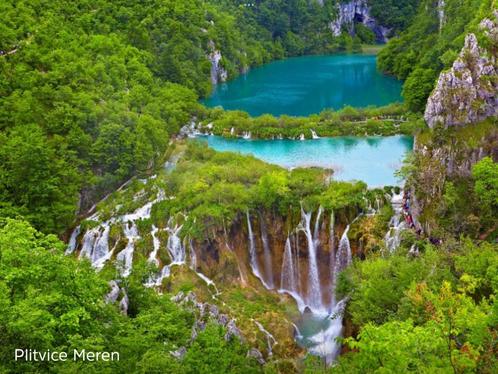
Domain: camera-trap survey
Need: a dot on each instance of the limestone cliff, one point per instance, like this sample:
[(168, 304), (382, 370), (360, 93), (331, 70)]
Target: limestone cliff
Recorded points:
[(218, 72), (357, 11), (468, 92)]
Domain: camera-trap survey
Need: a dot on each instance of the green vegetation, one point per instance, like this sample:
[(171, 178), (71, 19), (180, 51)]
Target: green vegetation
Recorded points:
[(455, 198), (49, 301), (395, 14), (90, 92), (427, 46), (389, 120), (433, 312)]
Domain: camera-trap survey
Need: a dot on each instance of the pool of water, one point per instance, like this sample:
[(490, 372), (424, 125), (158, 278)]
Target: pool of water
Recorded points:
[(370, 159), (305, 85)]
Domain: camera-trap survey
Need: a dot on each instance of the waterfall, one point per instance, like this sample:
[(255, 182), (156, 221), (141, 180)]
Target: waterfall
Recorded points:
[(314, 135), (175, 248), (96, 245), (266, 253), (396, 224), (156, 244), (253, 257), (343, 259), (288, 276), (314, 287), (332, 254), (193, 257), (316, 233), (73, 240), (324, 343), (270, 339), (125, 257)]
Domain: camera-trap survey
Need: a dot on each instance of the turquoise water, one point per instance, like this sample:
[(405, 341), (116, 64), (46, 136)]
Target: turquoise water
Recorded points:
[(305, 85), (370, 159)]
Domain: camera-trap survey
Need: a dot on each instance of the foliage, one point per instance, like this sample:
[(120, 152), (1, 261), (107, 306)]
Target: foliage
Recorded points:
[(388, 120), (434, 312), (49, 301), (428, 44)]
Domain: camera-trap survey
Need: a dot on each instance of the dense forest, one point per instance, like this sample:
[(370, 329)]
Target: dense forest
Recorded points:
[(93, 97)]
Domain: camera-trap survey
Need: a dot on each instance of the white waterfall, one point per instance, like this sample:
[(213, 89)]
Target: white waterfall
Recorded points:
[(302, 137), (396, 224), (314, 135), (288, 278), (343, 259), (253, 258), (125, 257), (156, 245), (270, 339), (266, 253), (72, 240), (314, 287), (324, 343), (332, 253), (193, 257), (175, 248)]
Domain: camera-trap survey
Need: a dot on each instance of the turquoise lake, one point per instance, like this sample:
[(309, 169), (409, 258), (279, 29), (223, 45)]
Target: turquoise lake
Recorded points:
[(302, 86), (370, 159)]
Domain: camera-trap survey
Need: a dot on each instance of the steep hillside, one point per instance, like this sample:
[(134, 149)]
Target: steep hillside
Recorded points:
[(430, 44)]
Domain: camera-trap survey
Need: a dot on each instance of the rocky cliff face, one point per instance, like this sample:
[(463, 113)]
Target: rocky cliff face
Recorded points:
[(218, 72), (468, 92), (357, 11)]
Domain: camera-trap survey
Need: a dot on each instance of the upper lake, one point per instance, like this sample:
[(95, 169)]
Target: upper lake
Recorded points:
[(302, 86)]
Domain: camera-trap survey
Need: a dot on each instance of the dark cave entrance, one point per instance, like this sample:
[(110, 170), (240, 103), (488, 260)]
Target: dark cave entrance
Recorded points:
[(359, 18)]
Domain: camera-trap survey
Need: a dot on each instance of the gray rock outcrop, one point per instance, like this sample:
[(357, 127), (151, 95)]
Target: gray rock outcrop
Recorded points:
[(468, 92), (357, 11), (218, 72)]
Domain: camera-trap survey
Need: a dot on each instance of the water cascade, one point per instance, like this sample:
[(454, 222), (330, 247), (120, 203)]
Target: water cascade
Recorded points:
[(270, 339), (344, 256), (125, 257), (314, 298), (318, 331), (253, 259), (156, 244), (73, 240), (175, 248), (314, 135), (288, 279), (396, 224), (266, 253)]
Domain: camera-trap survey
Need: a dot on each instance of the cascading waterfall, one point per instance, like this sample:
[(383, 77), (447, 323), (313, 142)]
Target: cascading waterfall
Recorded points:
[(156, 245), (344, 256), (332, 254), (95, 242), (253, 259), (270, 339), (396, 224), (73, 240), (175, 248), (288, 279), (125, 257), (322, 340), (266, 253), (314, 298)]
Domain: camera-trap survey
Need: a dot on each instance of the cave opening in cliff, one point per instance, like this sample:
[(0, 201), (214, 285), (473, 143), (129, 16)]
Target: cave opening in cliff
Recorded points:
[(358, 17)]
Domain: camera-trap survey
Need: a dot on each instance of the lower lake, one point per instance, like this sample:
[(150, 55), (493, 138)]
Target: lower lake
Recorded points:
[(370, 159)]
